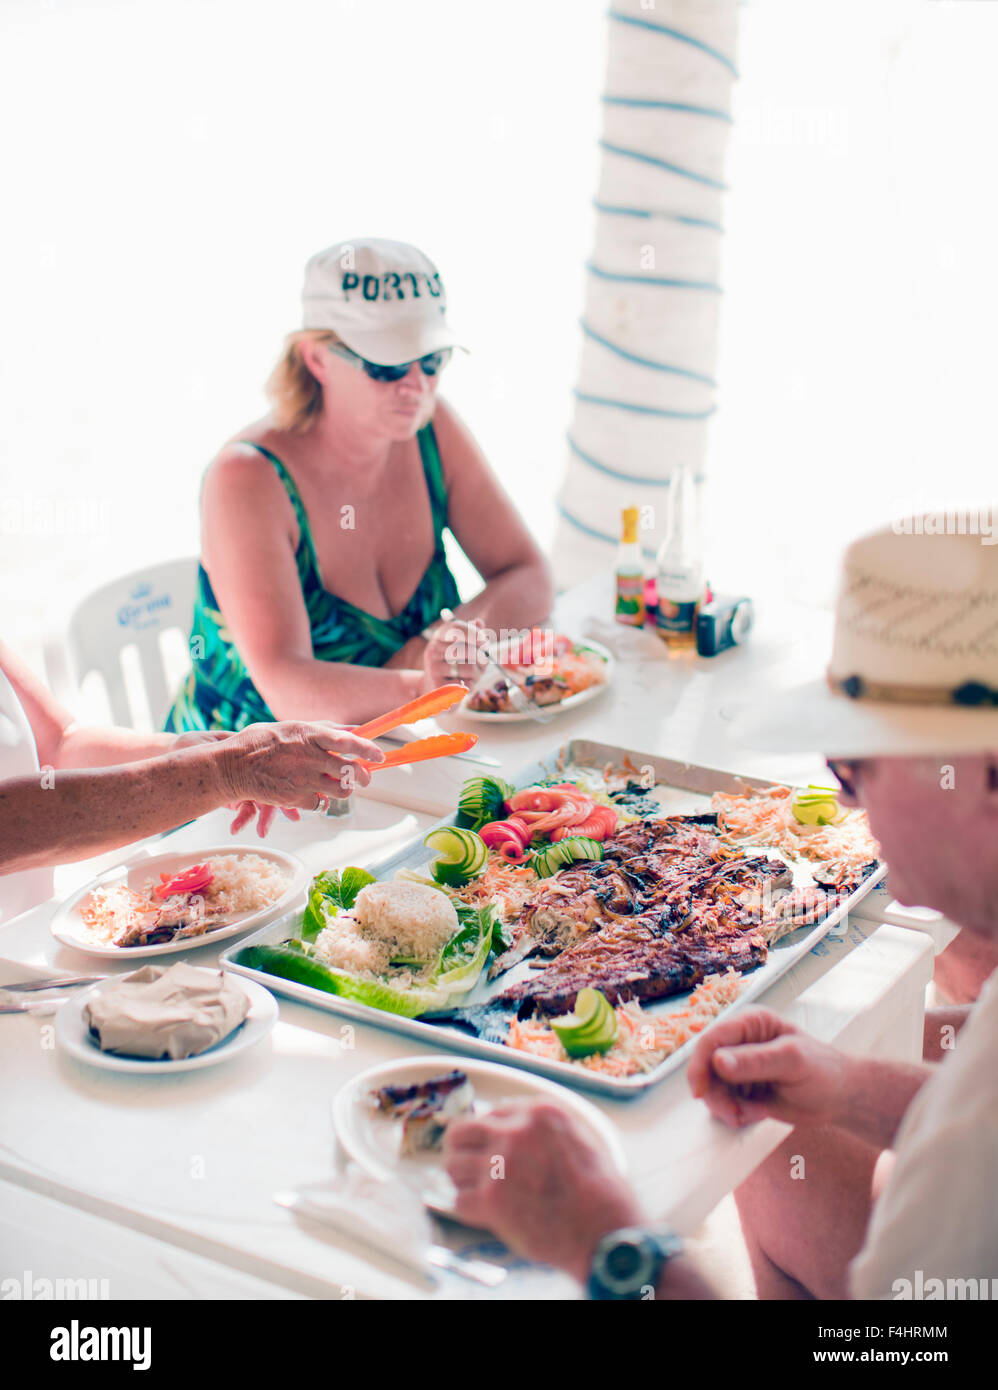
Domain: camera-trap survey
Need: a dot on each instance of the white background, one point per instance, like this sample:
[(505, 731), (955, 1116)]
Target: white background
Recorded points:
[(169, 165)]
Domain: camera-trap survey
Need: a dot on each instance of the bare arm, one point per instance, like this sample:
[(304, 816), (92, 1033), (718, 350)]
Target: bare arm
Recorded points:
[(61, 742), (249, 545), (876, 1095), (81, 813), (74, 814), (519, 591)]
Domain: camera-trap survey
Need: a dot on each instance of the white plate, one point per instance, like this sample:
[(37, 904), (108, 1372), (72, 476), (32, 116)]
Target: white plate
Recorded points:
[(372, 1138), (73, 1034), (69, 928), (562, 707)]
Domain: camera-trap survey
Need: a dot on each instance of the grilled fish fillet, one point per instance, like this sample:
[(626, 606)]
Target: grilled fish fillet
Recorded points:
[(427, 1108), (637, 959)]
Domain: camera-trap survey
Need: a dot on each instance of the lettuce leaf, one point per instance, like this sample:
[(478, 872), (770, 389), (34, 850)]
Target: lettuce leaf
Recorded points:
[(456, 972), (465, 954), (293, 961), (331, 893), (500, 941)]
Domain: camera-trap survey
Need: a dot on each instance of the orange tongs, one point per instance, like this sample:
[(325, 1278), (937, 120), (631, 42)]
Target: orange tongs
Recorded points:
[(439, 746)]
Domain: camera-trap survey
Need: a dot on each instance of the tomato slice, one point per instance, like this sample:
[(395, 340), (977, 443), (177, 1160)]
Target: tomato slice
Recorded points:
[(194, 880)]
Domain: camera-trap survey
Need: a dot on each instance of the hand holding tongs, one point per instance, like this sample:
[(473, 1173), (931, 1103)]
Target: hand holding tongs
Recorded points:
[(420, 749)]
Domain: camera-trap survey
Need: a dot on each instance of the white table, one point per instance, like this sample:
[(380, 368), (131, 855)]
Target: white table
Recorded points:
[(173, 1179)]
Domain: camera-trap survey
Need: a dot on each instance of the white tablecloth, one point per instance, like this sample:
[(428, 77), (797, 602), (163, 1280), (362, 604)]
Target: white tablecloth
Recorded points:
[(183, 1169)]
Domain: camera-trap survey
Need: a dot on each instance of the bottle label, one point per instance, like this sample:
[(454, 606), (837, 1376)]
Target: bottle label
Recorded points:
[(630, 606), (681, 583), (676, 617)]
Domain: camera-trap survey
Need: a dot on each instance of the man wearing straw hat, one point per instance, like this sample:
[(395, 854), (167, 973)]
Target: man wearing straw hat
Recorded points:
[(899, 1157)]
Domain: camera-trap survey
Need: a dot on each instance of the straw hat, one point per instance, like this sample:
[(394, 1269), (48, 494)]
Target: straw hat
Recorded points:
[(914, 666)]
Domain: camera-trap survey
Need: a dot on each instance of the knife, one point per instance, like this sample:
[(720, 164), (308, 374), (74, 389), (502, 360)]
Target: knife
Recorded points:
[(55, 982)]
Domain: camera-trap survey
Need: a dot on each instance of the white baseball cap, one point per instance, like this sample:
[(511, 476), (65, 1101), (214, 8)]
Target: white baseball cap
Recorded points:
[(914, 663), (383, 299)]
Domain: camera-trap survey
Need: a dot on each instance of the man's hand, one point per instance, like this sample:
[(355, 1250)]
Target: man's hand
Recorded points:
[(755, 1066), (538, 1178)]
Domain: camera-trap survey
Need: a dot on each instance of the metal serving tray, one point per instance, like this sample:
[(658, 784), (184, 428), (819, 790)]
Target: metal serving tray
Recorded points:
[(689, 788)]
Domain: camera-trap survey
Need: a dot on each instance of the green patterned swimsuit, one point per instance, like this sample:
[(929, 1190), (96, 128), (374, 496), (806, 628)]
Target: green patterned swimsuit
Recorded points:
[(219, 693)]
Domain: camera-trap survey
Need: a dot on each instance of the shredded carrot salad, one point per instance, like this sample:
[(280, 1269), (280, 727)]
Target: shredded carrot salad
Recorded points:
[(643, 1040), (508, 885), (765, 819)]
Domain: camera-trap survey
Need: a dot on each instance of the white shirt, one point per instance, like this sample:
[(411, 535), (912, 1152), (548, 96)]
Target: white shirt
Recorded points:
[(937, 1218), (18, 758)]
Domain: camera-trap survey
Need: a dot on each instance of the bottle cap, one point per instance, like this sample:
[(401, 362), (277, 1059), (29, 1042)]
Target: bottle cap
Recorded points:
[(630, 516)]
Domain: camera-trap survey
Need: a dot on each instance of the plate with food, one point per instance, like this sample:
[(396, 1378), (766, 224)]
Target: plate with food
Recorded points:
[(392, 1118), (551, 670), (172, 902), (403, 946), (162, 1019), (587, 920)]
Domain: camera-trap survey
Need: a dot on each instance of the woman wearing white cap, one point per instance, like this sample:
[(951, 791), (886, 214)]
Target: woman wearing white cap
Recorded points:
[(323, 575)]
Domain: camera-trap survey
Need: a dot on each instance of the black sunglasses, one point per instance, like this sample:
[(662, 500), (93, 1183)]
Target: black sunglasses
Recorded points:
[(845, 772), (432, 363)]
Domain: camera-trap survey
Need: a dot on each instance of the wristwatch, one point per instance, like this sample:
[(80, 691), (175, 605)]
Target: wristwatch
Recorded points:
[(629, 1263)]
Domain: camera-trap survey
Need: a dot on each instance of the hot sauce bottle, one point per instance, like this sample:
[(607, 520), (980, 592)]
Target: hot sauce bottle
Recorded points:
[(630, 573)]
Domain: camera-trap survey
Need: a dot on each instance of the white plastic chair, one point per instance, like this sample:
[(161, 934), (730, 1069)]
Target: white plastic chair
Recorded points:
[(135, 612)]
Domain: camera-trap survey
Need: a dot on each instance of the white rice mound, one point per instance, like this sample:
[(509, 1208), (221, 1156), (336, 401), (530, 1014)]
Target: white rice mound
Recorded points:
[(389, 921), (344, 946), (243, 883)]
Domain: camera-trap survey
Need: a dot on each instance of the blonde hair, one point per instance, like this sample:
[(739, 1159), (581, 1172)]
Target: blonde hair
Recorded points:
[(293, 391)]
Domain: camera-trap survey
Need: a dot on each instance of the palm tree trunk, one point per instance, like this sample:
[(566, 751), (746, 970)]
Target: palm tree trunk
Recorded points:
[(646, 384)]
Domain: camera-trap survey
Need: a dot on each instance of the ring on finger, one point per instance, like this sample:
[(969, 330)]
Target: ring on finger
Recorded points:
[(321, 802)]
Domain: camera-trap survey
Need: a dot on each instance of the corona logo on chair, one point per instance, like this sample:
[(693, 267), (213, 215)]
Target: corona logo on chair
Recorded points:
[(145, 609)]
